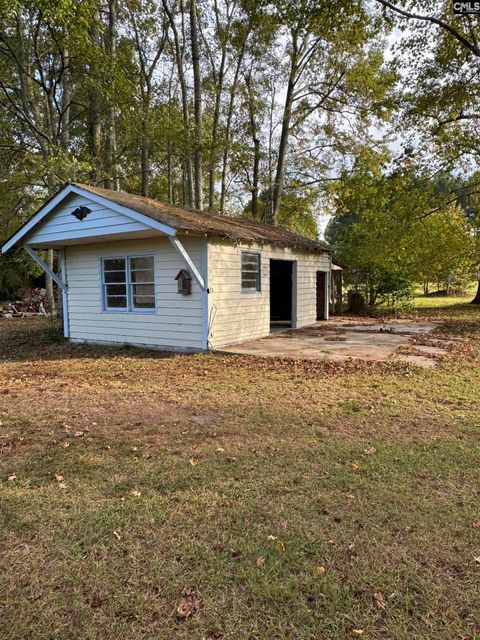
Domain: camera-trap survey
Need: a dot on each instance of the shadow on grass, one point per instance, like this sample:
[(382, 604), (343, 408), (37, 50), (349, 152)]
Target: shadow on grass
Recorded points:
[(42, 339)]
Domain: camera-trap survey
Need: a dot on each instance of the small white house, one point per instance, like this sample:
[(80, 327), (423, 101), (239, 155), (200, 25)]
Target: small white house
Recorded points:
[(137, 271)]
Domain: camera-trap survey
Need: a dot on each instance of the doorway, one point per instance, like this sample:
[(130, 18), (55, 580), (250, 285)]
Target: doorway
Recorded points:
[(322, 295), (281, 293)]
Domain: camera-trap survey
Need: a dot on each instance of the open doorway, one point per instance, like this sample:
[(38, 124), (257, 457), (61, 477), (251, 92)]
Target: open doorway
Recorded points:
[(322, 299), (281, 293)]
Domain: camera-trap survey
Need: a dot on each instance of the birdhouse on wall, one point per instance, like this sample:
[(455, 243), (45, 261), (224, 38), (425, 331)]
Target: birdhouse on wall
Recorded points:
[(184, 280)]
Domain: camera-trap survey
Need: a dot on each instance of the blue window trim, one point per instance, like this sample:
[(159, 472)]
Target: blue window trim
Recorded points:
[(256, 289), (129, 308)]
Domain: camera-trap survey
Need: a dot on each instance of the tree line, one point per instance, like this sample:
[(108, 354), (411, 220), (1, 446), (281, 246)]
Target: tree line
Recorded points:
[(261, 109)]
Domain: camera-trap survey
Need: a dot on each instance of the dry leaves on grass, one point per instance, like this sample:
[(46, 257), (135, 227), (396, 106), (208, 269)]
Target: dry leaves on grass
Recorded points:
[(379, 600), (60, 482), (189, 604)]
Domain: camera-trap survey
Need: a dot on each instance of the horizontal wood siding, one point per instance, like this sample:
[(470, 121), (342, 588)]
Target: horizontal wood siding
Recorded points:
[(236, 316), (61, 225), (177, 321)]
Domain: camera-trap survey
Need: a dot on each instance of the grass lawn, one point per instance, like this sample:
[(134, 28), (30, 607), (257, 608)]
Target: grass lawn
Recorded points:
[(267, 499)]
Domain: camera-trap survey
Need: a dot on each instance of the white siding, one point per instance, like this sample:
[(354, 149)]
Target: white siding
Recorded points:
[(177, 321), (236, 316), (61, 225)]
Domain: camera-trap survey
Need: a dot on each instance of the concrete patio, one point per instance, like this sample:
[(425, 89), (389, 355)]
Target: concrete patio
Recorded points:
[(341, 339)]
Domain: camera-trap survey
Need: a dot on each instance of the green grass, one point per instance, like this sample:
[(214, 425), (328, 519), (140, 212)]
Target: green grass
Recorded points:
[(284, 494)]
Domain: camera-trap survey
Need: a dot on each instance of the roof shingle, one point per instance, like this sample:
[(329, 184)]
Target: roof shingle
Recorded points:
[(197, 221)]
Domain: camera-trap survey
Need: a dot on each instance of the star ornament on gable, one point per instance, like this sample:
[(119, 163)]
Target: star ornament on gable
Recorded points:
[(81, 213)]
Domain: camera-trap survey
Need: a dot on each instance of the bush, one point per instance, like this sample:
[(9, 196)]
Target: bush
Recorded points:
[(15, 274), (394, 289)]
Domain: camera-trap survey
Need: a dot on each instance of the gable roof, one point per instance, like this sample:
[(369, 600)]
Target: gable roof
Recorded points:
[(185, 219), (166, 216)]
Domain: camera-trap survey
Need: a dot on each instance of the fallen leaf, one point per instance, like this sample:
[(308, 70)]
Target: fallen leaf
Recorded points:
[(320, 570), (58, 477), (136, 493), (62, 485), (370, 451), (189, 604), (357, 632), (78, 434), (12, 477), (355, 465), (477, 524), (379, 599), (193, 462), (65, 445)]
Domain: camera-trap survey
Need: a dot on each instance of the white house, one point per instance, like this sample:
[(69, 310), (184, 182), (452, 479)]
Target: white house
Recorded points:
[(137, 271)]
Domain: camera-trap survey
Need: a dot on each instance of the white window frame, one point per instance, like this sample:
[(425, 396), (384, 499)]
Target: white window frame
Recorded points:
[(128, 283), (258, 287)]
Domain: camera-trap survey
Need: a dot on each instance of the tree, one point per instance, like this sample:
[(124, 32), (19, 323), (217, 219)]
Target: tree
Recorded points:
[(393, 228), (441, 88)]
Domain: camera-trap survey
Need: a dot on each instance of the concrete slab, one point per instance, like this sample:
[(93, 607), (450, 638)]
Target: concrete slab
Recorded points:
[(340, 340)]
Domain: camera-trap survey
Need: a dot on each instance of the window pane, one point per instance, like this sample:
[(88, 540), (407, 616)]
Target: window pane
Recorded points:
[(114, 276), (251, 271), (144, 262), (114, 264), (143, 289), (142, 276), (116, 290), (143, 296), (116, 302), (144, 302)]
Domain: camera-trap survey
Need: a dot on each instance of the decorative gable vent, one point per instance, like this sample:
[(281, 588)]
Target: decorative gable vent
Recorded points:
[(81, 213), (184, 280)]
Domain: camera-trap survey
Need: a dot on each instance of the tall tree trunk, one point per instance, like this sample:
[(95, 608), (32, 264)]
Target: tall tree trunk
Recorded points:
[(476, 299), (215, 125), (268, 211), (282, 149), (113, 181), (283, 146), (197, 102), (228, 129), (145, 151), (187, 162), (169, 173), (66, 100), (256, 144), (145, 166), (93, 109)]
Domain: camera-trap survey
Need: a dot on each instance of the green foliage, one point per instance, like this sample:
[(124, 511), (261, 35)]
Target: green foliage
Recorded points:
[(15, 273), (396, 228)]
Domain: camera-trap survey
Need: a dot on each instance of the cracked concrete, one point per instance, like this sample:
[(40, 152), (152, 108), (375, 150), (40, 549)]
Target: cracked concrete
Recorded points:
[(341, 339)]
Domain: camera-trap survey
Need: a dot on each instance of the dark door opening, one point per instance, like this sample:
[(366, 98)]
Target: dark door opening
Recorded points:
[(321, 295), (281, 290)]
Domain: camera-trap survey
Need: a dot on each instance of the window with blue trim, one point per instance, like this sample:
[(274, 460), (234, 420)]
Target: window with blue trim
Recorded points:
[(128, 283)]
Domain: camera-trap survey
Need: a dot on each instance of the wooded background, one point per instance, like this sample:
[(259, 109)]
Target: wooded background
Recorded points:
[(277, 111)]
